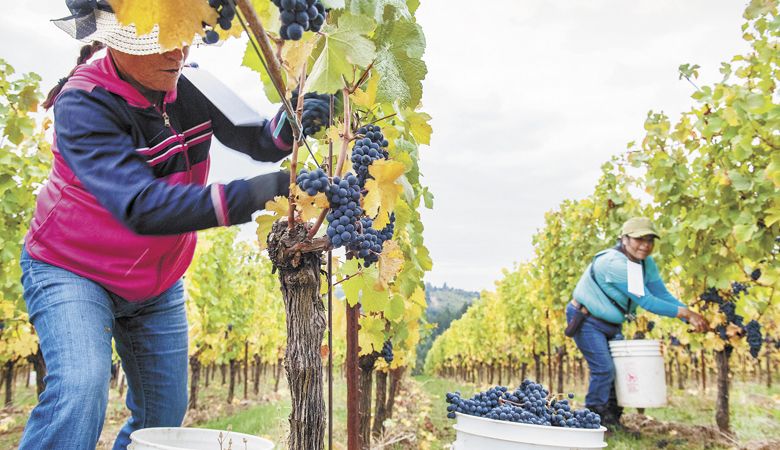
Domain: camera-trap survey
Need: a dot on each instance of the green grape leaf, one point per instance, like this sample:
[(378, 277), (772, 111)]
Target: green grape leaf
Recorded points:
[(345, 47), (400, 65)]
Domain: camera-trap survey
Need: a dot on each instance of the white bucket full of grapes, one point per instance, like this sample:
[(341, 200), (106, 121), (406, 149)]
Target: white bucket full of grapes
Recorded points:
[(195, 439), (640, 379), (528, 418)]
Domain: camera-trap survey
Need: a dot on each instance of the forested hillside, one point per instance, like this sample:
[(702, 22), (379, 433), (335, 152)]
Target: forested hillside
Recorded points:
[(445, 304)]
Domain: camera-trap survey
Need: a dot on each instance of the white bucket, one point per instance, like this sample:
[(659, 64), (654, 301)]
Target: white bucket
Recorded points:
[(194, 439), (479, 433), (640, 379)]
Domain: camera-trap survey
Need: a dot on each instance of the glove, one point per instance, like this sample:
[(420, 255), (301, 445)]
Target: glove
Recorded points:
[(316, 109), (267, 186)]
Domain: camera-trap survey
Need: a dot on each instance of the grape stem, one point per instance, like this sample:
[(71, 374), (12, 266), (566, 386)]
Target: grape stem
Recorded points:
[(348, 277), (383, 118), (346, 133), (296, 144), (362, 79), (501, 400)]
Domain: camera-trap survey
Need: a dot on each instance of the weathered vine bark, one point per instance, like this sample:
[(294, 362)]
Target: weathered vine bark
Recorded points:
[(246, 370), (561, 355), (195, 366), (277, 374), (549, 356), (299, 275), (396, 376), (257, 374), (538, 367), (722, 412), (680, 378), (9, 382), (380, 403), (223, 370), (232, 385), (366, 365), (768, 367), (207, 376), (523, 369), (40, 371), (703, 365)]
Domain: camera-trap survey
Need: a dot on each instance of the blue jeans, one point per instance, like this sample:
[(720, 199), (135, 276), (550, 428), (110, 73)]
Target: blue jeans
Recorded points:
[(592, 340), (75, 320)]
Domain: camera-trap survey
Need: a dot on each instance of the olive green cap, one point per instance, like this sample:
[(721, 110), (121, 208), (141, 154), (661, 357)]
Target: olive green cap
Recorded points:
[(637, 227)]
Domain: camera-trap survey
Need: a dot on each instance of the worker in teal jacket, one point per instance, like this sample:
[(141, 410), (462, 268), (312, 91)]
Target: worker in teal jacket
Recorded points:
[(603, 301)]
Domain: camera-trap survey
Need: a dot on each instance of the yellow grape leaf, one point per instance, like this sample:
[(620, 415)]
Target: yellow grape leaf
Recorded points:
[(366, 98), (713, 344), (178, 20), (295, 53), (371, 334), (383, 190), (362, 288), (391, 134), (391, 260), (419, 126), (264, 224), (279, 205), (278, 208), (310, 207), (734, 333)]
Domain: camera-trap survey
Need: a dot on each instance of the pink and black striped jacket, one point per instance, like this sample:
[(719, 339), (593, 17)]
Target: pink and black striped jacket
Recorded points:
[(127, 187)]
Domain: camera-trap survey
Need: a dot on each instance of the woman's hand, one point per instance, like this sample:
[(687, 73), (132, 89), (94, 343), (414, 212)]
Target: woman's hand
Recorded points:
[(699, 323)]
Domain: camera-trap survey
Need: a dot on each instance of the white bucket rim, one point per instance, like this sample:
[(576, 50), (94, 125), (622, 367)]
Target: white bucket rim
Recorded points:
[(521, 433), (634, 342), (544, 427), (138, 437)]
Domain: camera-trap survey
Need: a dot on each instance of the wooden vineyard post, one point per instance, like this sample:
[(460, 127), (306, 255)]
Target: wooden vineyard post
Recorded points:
[(351, 366)]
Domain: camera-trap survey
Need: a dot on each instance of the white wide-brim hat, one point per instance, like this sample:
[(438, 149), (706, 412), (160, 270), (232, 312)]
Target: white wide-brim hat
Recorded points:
[(101, 25)]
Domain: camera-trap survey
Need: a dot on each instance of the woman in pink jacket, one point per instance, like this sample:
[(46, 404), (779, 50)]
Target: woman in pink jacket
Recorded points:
[(114, 228)]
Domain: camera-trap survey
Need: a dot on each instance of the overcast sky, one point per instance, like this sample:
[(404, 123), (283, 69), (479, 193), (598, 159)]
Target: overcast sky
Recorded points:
[(528, 99)]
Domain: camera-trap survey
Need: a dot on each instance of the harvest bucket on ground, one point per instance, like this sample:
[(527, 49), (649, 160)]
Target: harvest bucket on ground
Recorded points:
[(640, 379), (479, 433), (194, 439)]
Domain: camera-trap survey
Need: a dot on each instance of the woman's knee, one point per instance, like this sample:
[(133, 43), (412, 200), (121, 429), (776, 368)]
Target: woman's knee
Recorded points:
[(89, 383)]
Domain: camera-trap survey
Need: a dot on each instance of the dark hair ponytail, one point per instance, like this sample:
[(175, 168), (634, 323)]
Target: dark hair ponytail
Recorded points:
[(85, 53)]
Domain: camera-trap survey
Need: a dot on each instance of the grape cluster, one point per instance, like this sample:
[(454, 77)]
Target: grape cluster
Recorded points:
[(226, 14), (369, 243), (755, 275), (528, 404), (753, 330), (345, 211), (298, 16), (313, 182), (367, 150), (711, 296), (738, 288), (729, 309), (387, 351), (650, 326), (316, 111)]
